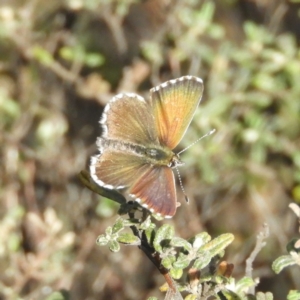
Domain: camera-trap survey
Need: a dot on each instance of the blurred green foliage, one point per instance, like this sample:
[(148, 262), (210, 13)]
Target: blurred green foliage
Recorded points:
[(61, 61)]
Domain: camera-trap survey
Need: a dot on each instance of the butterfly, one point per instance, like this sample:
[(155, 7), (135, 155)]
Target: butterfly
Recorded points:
[(137, 142)]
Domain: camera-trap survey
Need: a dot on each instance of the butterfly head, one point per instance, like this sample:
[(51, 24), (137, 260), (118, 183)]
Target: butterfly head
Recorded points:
[(176, 161)]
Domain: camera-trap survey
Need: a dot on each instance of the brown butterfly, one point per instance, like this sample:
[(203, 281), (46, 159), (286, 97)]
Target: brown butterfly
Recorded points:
[(137, 142)]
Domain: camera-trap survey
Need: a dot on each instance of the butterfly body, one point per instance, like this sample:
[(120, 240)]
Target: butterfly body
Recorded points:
[(136, 146), (154, 155)]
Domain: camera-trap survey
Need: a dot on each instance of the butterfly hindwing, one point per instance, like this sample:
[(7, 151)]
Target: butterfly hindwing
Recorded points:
[(156, 190), (153, 187), (115, 169)]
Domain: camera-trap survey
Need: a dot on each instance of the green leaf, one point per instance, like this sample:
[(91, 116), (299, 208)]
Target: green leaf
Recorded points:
[(9, 107), (94, 60), (207, 12), (150, 234), (176, 273), (146, 224), (130, 222), (282, 262), (168, 261), (180, 242), (203, 259), (293, 295), (296, 189), (181, 287), (114, 246), (108, 230), (152, 298), (67, 53), (243, 284), (152, 52), (218, 244), (182, 261), (102, 240), (264, 296), (191, 297), (206, 277), (265, 82), (42, 55), (128, 238), (200, 239), (219, 279), (256, 33), (61, 295), (229, 295), (164, 234), (118, 226)]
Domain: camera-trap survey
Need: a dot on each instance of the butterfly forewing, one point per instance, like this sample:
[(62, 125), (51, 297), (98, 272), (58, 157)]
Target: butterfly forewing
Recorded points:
[(128, 118), (174, 103)]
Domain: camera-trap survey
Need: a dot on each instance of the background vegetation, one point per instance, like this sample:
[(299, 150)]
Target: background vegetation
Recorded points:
[(61, 61)]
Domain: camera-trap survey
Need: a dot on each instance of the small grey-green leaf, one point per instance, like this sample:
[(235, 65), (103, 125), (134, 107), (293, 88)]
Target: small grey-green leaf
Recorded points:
[(182, 287), (260, 296), (206, 277), (176, 273), (230, 295), (61, 295), (219, 279), (94, 60), (152, 298), (168, 261), (182, 261), (218, 244), (282, 262), (269, 296), (191, 297), (102, 240), (114, 236), (180, 242), (264, 296), (128, 238), (114, 246), (243, 284), (164, 233), (118, 226), (146, 224), (130, 222), (293, 295), (203, 259), (200, 239), (108, 230), (150, 234), (42, 55)]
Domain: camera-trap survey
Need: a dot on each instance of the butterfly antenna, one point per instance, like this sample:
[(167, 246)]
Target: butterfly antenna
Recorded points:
[(202, 137), (181, 186)]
